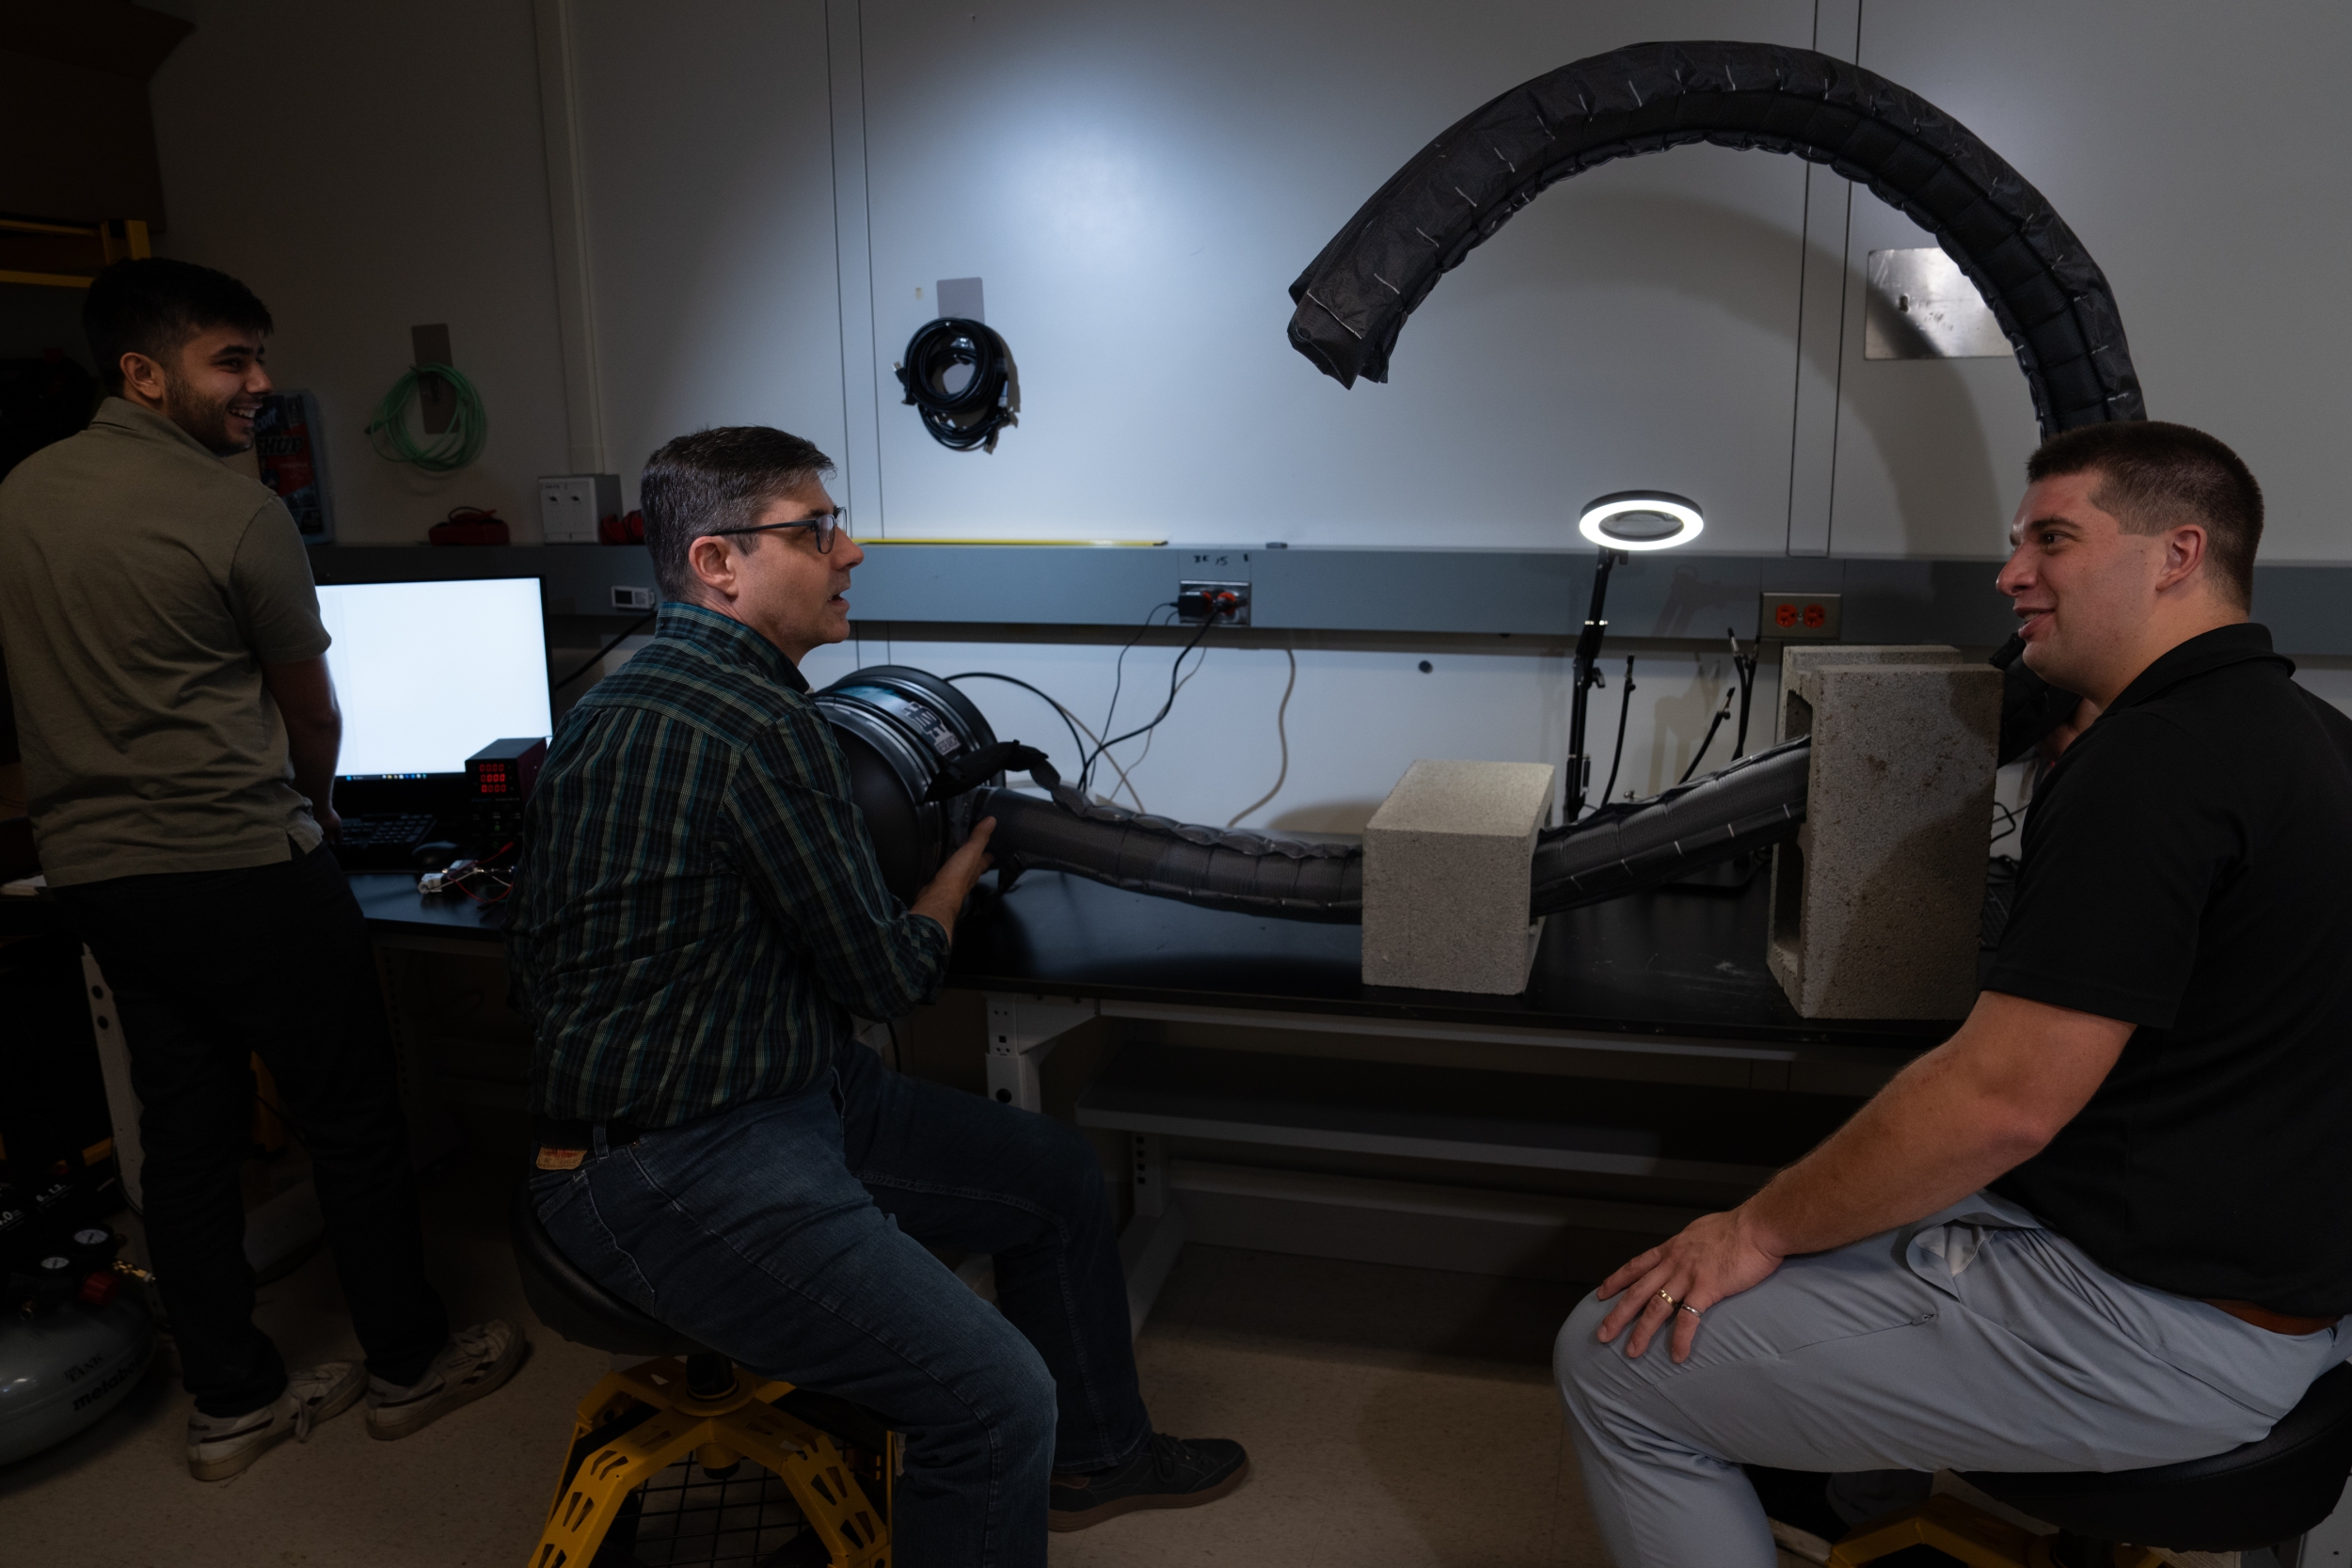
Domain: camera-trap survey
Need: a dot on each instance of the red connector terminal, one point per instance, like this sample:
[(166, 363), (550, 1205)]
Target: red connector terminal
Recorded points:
[(1226, 604)]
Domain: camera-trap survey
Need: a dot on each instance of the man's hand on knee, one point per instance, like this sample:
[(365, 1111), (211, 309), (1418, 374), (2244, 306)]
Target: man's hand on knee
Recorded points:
[(1975, 1107), (1717, 1256)]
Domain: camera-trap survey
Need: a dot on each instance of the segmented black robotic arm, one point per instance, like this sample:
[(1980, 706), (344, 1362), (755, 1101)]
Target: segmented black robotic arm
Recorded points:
[(2047, 294)]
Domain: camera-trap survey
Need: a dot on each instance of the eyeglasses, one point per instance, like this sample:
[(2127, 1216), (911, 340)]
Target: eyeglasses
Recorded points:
[(829, 526)]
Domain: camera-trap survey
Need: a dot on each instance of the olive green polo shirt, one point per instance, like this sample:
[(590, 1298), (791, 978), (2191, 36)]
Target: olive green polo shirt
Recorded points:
[(142, 586)]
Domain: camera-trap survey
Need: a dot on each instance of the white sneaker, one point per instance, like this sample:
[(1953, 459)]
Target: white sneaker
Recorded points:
[(475, 1361), (222, 1446)]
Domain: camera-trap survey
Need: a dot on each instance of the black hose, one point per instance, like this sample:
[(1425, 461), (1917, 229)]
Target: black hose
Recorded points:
[(1707, 740), (1068, 723), (1743, 665), (1757, 800), (597, 657), (2049, 296), (1618, 850), (970, 415), (1625, 707), (1218, 867), (1174, 684), (1119, 684)]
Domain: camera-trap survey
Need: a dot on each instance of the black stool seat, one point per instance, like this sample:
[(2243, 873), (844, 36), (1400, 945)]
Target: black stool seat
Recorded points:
[(584, 1313), (574, 1306), (2255, 1495)]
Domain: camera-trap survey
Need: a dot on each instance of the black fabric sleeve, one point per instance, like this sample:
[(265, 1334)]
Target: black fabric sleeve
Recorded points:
[(2121, 853)]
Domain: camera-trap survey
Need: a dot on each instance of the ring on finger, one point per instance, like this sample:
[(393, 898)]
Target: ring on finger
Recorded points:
[(1686, 1307), (1671, 1302)]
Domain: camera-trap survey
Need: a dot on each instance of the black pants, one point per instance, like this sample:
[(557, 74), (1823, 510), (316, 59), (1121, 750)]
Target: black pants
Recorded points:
[(210, 968)]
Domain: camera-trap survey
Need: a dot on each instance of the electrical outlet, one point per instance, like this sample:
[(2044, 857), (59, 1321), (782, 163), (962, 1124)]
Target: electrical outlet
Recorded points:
[(1801, 618), (572, 507), (632, 598), (1225, 603)]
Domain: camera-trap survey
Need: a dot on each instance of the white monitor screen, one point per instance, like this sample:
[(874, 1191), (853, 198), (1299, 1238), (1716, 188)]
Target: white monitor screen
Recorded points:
[(430, 672)]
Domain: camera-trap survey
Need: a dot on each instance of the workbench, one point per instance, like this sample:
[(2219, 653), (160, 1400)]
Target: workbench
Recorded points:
[(1662, 1051), (1651, 1050)]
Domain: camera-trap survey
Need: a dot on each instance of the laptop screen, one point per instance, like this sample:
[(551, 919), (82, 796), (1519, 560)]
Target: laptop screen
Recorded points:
[(430, 672)]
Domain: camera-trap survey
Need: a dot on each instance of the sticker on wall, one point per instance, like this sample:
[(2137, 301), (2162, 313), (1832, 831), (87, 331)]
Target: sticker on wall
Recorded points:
[(289, 445)]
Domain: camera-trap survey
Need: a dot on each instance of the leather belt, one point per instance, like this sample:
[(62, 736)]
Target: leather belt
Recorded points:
[(2276, 1323), (549, 1134)]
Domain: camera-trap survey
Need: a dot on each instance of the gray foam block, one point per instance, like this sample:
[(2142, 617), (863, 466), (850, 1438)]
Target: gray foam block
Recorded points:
[(1446, 860), (1878, 904)]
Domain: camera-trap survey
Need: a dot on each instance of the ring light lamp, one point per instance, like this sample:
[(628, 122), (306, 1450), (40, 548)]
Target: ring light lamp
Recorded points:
[(1641, 520), (1627, 520)]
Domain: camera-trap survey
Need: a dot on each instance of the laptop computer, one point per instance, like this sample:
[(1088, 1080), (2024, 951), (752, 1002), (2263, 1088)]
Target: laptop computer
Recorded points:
[(427, 673)]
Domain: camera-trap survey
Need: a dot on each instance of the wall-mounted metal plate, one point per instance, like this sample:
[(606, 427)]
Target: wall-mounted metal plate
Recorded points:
[(1226, 603), (437, 400), (1921, 305), (1801, 618), (962, 296)]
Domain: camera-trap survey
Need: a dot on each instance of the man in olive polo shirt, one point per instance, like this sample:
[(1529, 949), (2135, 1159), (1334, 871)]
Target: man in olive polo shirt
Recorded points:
[(178, 732)]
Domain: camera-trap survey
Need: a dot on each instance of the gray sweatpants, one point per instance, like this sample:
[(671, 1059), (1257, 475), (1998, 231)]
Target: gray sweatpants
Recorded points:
[(1972, 1341)]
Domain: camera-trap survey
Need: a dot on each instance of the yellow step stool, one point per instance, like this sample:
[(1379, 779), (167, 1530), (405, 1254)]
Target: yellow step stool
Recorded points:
[(640, 1421)]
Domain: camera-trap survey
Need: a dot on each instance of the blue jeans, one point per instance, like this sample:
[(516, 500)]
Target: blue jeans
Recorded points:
[(788, 1233)]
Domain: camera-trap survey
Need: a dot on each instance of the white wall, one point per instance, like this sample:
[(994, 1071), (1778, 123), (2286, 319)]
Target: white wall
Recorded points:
[(2195, 151), (1139, 185), (366, 169), (1355, 720), (707, 168)]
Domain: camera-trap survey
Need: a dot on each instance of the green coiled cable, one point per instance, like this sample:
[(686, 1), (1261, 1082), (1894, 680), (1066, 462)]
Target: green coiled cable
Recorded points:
[(468, 430)]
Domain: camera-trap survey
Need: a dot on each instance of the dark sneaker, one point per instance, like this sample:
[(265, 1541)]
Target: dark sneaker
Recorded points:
[(1166, 1472)]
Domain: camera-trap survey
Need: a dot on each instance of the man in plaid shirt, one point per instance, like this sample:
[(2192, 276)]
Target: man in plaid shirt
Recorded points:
[(699, 916)]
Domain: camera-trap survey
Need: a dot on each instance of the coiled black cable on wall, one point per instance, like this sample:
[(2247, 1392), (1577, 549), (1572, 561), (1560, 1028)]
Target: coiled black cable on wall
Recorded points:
[(964, 413)]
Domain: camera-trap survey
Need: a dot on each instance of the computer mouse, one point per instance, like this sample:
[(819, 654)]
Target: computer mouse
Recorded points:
[(434, 853)]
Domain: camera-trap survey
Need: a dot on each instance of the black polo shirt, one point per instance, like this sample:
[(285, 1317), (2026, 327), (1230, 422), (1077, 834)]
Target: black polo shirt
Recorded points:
[(2187, 868)]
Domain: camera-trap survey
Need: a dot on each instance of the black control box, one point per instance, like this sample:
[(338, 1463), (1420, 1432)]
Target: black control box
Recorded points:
[(499, 780)]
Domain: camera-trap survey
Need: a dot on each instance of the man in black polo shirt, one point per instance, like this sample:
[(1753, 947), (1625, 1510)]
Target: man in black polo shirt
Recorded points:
[(2102, 1227)]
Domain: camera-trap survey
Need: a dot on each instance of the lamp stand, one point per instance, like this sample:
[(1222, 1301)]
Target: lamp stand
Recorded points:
[(1587, 677)]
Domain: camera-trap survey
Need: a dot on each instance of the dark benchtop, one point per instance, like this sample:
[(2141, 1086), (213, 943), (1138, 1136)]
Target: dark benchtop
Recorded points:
[(1676, 962), (391, 901), (1680, 963)]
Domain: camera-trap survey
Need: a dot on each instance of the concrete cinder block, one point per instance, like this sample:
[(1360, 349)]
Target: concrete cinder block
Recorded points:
[(1878, 904), (1446, 861)]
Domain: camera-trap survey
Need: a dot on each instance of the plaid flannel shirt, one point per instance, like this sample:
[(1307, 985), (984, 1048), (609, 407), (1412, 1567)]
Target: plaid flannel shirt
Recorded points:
[(699, 910)]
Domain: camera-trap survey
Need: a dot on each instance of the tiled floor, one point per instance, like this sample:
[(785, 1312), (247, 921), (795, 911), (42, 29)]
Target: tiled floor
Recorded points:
[(1394, 1418), (468, 1491)]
